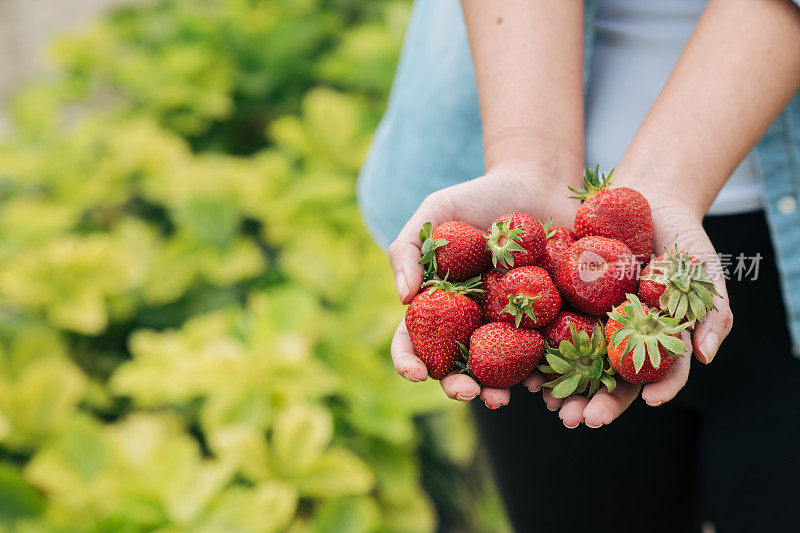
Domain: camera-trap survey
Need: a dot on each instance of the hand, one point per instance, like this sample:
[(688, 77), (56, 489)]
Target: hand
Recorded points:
[(671, 217), (478, 202)]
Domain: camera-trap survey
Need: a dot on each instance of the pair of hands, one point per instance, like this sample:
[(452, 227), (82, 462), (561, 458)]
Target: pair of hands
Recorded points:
[(479, 202)]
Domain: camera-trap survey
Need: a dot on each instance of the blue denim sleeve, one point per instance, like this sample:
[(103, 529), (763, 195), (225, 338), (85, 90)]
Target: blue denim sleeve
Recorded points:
[(779, 161), (430, 136)]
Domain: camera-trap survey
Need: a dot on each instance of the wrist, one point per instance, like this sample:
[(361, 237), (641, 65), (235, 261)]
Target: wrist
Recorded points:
[(526, 154), (662, 187)]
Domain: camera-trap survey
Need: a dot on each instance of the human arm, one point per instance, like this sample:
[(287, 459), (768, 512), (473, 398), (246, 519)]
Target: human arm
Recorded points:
[(528, 57), (738, 71)]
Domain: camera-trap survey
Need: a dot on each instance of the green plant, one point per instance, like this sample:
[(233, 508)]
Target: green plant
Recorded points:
[(182, 344)]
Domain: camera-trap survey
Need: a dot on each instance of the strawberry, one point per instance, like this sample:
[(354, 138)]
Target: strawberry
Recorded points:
[(559, 330), (643, 343), (595, 273), (679, 284), (501, 355), (494, 299), (516, 239), (454, 250), (579, 364), (440, 318), (532, 297), (559, 239), (621, 214)]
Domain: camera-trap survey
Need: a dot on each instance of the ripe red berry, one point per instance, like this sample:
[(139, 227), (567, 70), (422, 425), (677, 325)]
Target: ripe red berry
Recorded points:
[(531, 296), (622, 214), (643, 344), (501, 355), (454, 251), (559, 239), (438, 319), (596, 273), (516, 240)]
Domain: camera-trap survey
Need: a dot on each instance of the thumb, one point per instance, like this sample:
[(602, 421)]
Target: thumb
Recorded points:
[(709, 334), (404, 252)]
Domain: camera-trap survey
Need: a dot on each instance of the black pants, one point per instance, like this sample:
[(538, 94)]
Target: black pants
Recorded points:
[(726, 450)]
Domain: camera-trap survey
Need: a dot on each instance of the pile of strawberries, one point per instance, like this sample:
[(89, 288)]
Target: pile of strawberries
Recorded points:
[(578, 304)]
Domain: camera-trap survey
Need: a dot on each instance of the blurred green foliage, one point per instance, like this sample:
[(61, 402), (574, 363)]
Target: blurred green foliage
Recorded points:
[(194, 323)]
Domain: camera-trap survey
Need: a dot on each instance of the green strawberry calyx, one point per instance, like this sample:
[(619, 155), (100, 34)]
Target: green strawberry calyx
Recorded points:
[(549, 230), (593, 183), (582, 364), (688, 290), (463, 363), (645, 332), (520, 306), (471, 286), (502, 241), (429, 247)]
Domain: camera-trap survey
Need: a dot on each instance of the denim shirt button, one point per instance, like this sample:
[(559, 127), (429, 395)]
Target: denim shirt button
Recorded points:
[(787, 204)]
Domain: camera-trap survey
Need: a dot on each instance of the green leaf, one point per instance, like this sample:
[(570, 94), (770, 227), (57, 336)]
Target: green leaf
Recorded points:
[(558, 364), (683, 305), (17, 499), (697, 307), (566, 387), (673, 345), (653, 351), (609, 382), (638, 356)]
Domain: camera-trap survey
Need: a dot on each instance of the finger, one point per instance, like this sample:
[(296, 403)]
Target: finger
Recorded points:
[(552, 402), (710, 333), (460, 387), (571, 412), (603, 408), (534, 381), (404, 252), (663, 391), (495, 398), (405, 360)]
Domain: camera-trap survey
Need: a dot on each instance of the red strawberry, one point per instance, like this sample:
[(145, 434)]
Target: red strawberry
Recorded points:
[(531, 296), (595, 273), (440, 318), (621, 214), (516, 239), (558, 330), (679, 284), (501, 355), (494, 298), (559, 239), (643, 344), (454, 250)]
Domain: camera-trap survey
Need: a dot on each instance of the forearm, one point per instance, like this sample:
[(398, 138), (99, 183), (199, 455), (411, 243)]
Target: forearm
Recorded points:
[(739, 70), (528, 57)]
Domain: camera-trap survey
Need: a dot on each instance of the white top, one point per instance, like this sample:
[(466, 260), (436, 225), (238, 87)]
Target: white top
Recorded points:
[(637, 43)]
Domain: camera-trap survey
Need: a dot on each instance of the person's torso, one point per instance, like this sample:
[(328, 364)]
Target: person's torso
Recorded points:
[(637, 44)]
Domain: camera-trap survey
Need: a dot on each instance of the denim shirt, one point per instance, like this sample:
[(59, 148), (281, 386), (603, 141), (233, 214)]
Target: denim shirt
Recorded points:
[(430, 138)]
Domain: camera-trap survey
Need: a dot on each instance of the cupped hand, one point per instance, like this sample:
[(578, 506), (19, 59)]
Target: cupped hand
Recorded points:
[(511, 188), (674, 222)]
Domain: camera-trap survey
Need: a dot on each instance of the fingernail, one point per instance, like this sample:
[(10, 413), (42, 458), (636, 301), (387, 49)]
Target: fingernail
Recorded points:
[(551, 408), (465, 398), (533, 389), (402, 286), (408, 376), (709, 346), (570, 427), (593, 427)]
